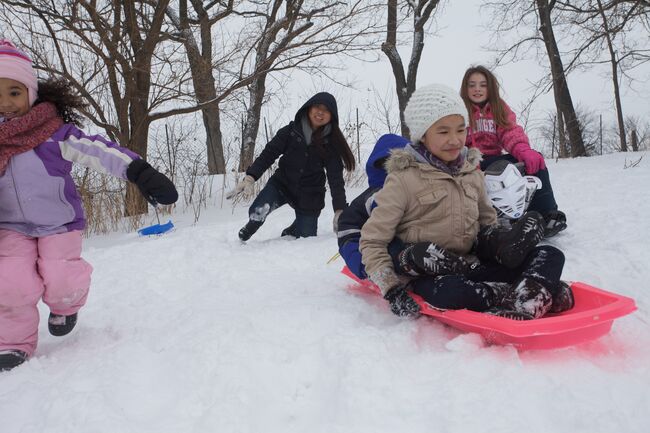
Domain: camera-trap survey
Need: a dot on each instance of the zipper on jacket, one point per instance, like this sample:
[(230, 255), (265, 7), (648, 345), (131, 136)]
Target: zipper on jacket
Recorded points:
[(13, 181)]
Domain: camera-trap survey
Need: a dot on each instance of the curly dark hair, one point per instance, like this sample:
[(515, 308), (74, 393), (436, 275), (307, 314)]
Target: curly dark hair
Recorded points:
[(68, 102)]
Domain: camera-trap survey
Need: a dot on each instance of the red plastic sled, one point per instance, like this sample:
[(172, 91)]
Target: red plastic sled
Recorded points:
[(590, 318)]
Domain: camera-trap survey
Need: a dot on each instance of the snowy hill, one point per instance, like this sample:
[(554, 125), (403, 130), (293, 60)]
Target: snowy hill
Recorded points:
[(196, 332)]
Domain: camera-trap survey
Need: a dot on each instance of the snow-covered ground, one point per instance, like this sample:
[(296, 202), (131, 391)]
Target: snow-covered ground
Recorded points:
[(196, 332)]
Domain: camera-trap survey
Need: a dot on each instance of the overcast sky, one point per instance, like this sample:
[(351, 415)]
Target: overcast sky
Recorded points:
[(459, 42), (462, 34)]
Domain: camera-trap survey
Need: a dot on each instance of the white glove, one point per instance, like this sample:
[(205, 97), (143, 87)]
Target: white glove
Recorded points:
[(335, 221), (243, 190), (386, 279)]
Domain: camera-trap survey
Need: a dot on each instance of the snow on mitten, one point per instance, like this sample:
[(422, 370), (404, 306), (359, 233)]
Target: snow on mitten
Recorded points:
[(401, 303)]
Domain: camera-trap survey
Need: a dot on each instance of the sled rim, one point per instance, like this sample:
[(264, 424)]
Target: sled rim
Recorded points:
[(582, 323)]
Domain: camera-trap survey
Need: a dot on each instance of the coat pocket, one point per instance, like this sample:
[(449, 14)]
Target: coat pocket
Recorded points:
[(433, 205), (471, 199), (431, 197)]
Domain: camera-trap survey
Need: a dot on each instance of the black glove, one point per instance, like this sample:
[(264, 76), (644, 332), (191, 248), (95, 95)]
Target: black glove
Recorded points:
[(401, 302), (425, 258), (510, 247), (154, 186)]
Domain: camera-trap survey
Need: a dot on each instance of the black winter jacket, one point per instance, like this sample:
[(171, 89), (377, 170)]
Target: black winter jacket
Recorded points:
[(301, 169)]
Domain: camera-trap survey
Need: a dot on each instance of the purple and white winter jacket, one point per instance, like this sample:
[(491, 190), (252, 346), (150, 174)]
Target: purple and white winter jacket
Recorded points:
[(37, 194)]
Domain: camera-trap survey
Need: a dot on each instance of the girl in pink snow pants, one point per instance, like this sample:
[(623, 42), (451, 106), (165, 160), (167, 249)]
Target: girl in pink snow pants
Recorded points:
[(48, 267), (41, 215)]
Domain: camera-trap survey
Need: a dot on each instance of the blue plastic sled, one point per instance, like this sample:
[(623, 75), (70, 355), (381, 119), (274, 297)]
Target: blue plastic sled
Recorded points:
[(156, 229)]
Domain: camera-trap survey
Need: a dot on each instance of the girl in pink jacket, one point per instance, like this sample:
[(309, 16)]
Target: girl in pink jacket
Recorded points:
[(494, 131)]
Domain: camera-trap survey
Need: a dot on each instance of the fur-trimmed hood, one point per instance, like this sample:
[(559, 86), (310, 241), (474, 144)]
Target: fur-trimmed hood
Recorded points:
[(401, 159), (422, 203)]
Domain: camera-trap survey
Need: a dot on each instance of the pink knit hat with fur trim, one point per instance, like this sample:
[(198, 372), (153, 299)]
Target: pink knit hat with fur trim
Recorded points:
[(17, 65)]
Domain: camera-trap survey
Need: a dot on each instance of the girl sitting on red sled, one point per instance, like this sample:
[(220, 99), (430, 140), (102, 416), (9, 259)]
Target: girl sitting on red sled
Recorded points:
[(455, 256)]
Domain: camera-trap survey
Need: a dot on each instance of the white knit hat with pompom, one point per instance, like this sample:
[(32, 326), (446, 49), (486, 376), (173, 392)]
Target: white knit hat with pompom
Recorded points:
[(428, 104)]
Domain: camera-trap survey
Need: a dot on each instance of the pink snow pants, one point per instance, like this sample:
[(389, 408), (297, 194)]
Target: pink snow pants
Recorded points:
[(30, 268)]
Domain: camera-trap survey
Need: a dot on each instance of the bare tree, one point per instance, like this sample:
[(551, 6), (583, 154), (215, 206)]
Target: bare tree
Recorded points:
[(560, 86), (201, 61), (278, 35), (405, 81), (514, 16), (639, 132), (609, 36), (588, 118), (603, 27), (272, 26), (300, 37), (111, 52), (382, 112)]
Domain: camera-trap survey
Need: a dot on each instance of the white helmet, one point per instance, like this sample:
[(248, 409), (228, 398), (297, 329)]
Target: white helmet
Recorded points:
[(509, 191)]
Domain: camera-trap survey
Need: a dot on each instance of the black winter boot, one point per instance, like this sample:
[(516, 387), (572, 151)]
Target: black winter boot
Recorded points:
[(503, 302), (425, 258), (530, 297), (11, 358), (510, 247), (60, 325), (501, 292), (563, 298), (249, 230), (289, 231), (526, 299)]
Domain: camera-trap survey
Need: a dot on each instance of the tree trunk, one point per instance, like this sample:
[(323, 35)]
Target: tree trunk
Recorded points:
[(214, 139), (405, 83), (635, 141), (205, 91), (560, 85), (252, 124), (389, 47), (200, 61), (135, 203), (619, 107), (562, 148), (257, 89), (138, 118), (139, 77), (617, 93)]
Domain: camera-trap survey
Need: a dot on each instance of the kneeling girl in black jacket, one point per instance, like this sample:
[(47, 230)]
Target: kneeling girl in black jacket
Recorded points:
[(308, 147)]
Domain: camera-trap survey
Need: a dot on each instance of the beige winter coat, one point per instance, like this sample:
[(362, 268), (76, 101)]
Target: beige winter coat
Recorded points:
[(419, 203)]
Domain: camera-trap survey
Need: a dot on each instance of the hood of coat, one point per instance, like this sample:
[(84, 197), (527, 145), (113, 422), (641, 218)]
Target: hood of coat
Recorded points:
[(376, 171), (401, 159), (319, 98)]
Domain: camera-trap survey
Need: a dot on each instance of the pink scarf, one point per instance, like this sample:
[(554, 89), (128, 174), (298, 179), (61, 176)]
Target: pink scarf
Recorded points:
[(26, 132)]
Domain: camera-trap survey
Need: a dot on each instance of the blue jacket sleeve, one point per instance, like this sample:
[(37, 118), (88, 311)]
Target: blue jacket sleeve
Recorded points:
[(352, 256), (349, 231)]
